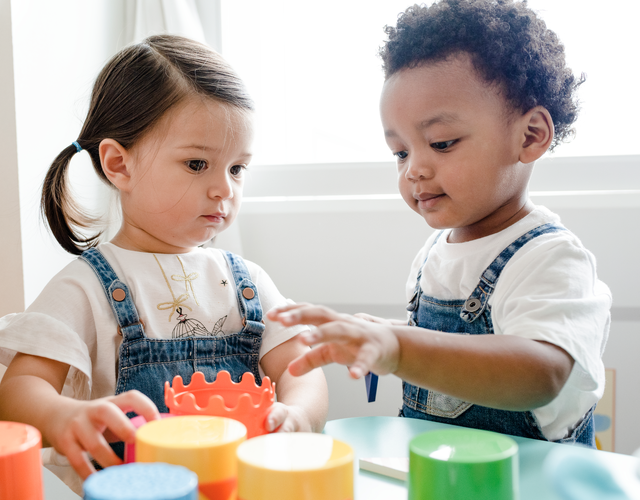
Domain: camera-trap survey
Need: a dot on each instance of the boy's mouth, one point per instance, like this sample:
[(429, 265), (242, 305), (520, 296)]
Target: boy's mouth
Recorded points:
[(428, 200)]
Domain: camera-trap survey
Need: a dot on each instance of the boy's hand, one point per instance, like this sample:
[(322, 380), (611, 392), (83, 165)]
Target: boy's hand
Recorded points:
[(283, 418), (80, 427), (340, 338)]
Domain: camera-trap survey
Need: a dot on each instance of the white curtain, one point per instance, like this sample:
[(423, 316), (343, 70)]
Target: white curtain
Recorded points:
[(196, 19)]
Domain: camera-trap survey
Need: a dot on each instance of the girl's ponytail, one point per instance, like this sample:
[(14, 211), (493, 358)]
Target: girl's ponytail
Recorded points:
[(62, 213)]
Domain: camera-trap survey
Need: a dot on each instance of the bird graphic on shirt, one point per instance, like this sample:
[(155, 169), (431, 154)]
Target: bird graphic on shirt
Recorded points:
[(189, 327)]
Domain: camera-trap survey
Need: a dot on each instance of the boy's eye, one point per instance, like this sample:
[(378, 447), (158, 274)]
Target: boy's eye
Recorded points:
[(440, 146), (237, 170), (401, 154), (197, 165)]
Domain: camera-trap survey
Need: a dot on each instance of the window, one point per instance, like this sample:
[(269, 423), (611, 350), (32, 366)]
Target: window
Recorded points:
[(313, 69)]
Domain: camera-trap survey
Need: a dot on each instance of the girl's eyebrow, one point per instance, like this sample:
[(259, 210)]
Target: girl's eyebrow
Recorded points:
[(200, 147)]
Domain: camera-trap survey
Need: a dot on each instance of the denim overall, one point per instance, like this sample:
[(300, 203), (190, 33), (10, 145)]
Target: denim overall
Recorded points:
[(473, 317), (146, 363)]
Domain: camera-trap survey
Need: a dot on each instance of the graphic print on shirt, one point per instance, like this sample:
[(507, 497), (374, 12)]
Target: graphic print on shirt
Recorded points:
[(187, 280), (188, 327), (177, 302)]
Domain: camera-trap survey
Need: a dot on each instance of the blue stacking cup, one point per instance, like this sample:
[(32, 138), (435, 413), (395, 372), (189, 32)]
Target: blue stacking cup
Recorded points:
[(142, 481)]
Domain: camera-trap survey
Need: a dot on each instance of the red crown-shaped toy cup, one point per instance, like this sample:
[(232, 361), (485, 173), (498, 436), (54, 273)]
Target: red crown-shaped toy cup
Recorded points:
[(245, 401)]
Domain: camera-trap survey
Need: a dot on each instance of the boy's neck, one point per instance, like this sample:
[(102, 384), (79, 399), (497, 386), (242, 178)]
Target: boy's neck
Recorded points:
[(492, 224)]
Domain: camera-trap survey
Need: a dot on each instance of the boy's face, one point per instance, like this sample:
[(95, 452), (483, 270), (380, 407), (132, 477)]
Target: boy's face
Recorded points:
[(457, 144)]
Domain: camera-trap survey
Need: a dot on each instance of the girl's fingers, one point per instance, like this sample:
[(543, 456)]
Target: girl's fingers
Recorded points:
[(276, 417), (137, 402), (79, 460), (91, 440)]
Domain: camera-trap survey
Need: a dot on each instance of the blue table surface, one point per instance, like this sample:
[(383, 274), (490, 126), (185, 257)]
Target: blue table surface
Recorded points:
[(390, 436)]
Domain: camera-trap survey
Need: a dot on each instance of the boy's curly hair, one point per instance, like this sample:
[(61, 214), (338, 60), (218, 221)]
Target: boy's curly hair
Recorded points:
[(509, 46)]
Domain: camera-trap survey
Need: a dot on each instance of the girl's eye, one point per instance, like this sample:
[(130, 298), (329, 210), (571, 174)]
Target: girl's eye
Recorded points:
[(197, 165), (401, 155), (441, 146), (237, 170)]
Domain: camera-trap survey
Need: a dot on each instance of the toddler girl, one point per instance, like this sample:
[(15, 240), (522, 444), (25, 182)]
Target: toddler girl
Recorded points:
[(170, 127), (507, 320)]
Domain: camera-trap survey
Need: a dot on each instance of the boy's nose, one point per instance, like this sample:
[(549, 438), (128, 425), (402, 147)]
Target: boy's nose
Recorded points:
[(419, 168)]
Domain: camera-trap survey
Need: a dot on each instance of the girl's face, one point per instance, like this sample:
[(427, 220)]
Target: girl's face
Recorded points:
[(186, 178), (457, 145)]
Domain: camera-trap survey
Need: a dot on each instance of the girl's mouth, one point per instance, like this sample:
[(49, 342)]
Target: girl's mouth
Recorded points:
[(217, 217)]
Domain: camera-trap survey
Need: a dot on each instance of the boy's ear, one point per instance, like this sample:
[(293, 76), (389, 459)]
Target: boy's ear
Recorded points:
[(115, 163), (538, 134)]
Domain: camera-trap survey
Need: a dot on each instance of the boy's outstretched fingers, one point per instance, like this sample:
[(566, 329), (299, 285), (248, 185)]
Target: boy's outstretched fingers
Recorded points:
[(305, 314)]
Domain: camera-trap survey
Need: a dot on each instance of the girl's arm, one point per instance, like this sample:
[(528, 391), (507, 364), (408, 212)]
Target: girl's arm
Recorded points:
[(499, 371), (30, 393), (302, 400)]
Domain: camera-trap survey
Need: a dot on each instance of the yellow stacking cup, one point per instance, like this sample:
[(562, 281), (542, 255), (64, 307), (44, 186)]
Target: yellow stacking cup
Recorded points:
[(295, 466), (206, 445)]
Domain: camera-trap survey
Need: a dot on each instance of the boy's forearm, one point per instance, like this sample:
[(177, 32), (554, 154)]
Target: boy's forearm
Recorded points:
[(499, 371)]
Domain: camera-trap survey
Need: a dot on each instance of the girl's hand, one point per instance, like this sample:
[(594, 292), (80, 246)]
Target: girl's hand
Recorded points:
[(283, 418), (362, 345), (79, 427)]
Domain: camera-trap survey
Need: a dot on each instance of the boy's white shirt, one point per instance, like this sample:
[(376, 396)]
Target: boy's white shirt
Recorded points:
[(548, 291), (71, 320)]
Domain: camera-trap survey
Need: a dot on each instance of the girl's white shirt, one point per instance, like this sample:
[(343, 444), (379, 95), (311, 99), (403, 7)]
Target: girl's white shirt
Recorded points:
[(548, 291), (71, 320)]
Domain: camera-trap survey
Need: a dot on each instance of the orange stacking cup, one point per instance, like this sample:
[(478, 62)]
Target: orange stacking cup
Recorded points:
[(295, 466), (244, 401), (20, 463), (205, 445)]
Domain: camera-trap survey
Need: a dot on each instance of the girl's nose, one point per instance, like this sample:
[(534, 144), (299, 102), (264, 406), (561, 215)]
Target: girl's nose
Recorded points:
[(221, 187)]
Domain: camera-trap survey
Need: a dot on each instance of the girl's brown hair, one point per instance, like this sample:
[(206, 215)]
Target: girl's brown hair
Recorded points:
[(132, 92)]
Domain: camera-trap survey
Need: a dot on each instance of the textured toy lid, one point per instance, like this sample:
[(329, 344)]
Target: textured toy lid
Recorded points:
[(16, 437), (142, 481), (463, 446), (196, 431), (295, 451)]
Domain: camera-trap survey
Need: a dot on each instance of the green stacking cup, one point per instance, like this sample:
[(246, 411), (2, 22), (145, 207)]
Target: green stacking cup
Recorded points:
[(459, 464)]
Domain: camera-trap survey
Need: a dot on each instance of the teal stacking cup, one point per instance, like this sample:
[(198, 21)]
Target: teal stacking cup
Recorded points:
[(457, 464), (142, 481)]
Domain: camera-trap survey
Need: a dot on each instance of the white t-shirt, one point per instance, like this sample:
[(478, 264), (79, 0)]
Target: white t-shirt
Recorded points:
[(71, 320), (548, 291)]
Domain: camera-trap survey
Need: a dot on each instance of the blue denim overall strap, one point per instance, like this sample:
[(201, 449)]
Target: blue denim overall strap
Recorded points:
[(473, 317), (146, 363)]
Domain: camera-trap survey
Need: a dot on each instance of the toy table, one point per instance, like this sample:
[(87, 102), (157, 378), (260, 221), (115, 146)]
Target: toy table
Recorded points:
[(389, 437)]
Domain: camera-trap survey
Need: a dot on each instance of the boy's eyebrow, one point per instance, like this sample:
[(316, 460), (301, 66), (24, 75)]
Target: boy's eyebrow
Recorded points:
[(440, 118)]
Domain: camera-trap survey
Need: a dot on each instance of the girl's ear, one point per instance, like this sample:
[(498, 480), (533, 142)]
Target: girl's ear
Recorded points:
[(538, 134), (116, 163)]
